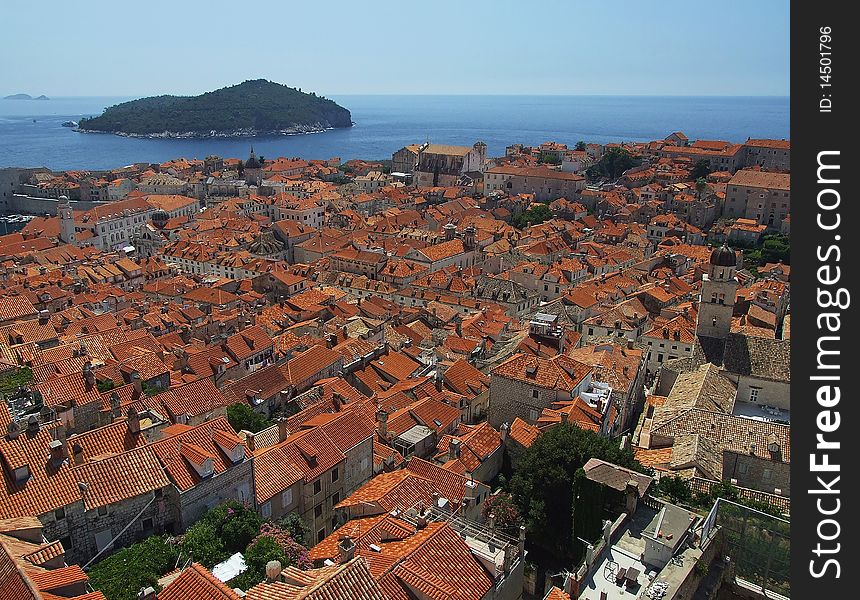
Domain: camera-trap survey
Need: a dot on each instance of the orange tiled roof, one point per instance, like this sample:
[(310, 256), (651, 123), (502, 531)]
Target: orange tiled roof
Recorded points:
[(197, 583), (558, 372)]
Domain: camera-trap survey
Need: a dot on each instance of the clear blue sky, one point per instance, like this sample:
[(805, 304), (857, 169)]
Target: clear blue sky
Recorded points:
[(663, 47)]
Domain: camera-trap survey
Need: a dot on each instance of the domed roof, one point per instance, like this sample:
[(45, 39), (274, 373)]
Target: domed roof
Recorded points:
[(724, 257)]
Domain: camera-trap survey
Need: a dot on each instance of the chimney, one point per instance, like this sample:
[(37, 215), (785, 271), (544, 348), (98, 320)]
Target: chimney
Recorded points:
[(33, 425), (421, 520), (522, 540), (346, 549), (273, 571), (249, 439), (57, 451), (44, 317), (137, 383), (454, 449), (283, 429), (133, 421), (382, 423), (589, 555), (13, 430), (114, 405), (88, 374), (503, 431), (568, 584), (631, 493), (147, 593), (336, 400)]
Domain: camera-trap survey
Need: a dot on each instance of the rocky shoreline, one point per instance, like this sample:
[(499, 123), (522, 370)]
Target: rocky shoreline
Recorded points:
[(237, 133)]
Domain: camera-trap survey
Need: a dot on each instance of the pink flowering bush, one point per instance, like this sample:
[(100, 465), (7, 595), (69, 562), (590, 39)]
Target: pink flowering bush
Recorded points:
[(503, 507)]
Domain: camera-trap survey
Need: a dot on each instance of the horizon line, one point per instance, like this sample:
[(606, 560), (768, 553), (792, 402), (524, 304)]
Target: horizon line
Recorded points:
[(151, 94)]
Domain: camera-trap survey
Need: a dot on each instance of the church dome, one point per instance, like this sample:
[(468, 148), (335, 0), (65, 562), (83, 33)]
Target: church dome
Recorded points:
[(724, 257)]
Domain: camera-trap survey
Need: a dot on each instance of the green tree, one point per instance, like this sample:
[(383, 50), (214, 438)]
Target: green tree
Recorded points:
[(273, 543), (700, 170), (236, 524), (674, 488), (151, 390), (587, 511), (543, 488), (223, 530), (105, 385), (580, 146), (775, 248), (263, 550), (612, 164), (121, 575), (296, 526), (241, 416), (202, 543), (10, 382), (536, 214)]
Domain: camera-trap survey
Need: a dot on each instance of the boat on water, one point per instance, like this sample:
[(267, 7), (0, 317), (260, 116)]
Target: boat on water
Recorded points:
[(69, 123)]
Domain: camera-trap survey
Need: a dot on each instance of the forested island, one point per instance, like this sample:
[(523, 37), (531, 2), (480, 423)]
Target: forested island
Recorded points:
[(257, 107)]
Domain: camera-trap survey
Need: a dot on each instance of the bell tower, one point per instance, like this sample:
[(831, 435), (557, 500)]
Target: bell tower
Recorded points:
[(717, 300), (67, 221)]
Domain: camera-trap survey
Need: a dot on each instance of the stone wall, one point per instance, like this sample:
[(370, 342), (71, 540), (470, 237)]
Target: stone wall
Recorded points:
[(236, 483), (358, 468), (78, 529)]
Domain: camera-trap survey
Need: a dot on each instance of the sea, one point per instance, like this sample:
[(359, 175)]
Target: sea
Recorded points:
[(31, 132)]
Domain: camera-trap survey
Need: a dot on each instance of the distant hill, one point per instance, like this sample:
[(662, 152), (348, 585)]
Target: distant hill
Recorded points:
[(256, 107), (24, 97)]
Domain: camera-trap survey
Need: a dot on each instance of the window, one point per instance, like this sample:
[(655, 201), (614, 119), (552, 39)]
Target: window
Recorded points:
[(60, 514), (334, 475), (533, 414), (318, 511), (766, 474), (742, 468), (66, 542), (266, 509), (535, 394), (286, 498), (364, 464), (335, 498), (147, 524), (103, 538), (321, 535), (103, 511), (317, 486), (754, 394)]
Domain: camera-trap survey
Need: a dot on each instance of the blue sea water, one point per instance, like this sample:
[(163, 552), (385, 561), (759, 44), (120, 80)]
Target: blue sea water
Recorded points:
[(31, 134)]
